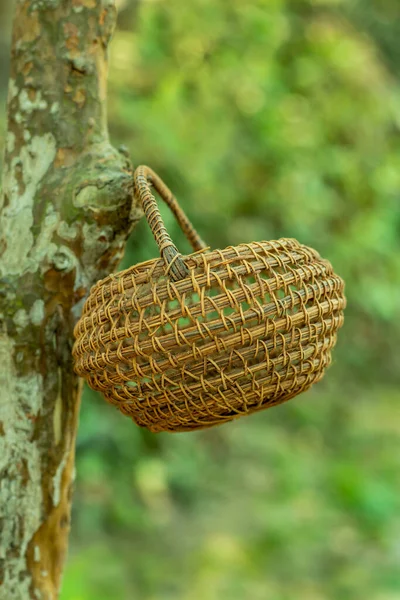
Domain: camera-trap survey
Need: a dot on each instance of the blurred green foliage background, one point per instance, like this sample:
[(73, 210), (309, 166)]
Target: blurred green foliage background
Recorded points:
[(267, 118)]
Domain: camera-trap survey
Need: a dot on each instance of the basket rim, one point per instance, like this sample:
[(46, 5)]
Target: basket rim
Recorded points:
[(154, 263)]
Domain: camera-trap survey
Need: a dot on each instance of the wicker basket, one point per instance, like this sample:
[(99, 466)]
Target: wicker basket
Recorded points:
[(182, 343)]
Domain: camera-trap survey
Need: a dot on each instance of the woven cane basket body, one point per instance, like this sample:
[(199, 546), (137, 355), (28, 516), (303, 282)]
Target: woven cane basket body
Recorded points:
[(227, 333)]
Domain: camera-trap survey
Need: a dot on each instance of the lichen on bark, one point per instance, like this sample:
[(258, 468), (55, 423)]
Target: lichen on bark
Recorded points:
[(65, 213)]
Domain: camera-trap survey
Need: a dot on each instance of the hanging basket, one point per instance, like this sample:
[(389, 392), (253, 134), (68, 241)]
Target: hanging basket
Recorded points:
[(180, 343)]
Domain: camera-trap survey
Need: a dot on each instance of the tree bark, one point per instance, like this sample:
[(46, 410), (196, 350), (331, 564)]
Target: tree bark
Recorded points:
[(65, 213)]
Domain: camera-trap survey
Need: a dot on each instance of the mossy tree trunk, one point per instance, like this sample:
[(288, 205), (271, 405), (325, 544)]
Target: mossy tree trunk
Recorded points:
[(65, 213)]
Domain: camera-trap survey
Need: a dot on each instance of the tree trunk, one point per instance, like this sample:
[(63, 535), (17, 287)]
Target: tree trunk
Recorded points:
[(65, 213)]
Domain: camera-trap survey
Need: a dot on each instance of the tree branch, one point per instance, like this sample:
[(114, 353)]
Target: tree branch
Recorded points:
[(65, 213)]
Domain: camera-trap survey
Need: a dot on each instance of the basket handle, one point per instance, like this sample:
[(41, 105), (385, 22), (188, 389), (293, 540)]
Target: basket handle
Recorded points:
[(144, 177)]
